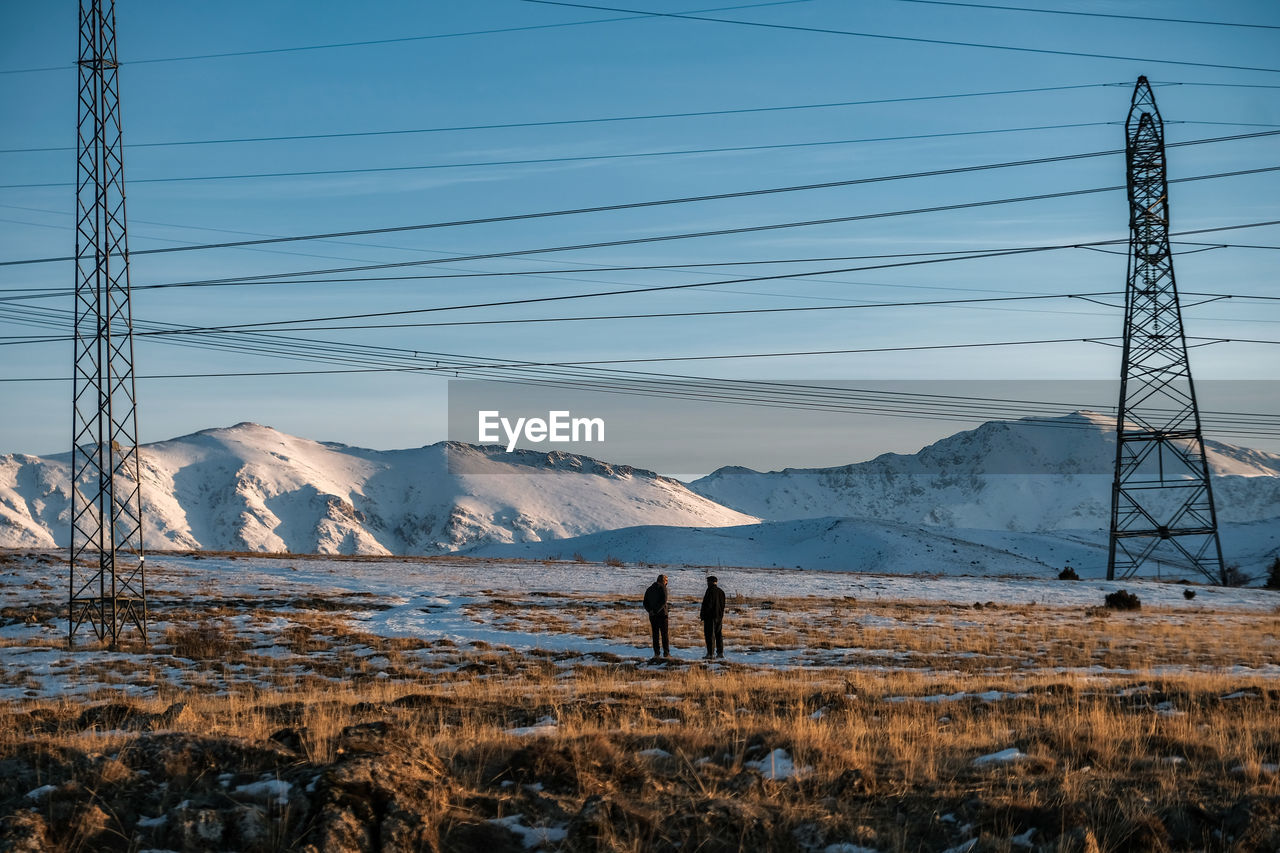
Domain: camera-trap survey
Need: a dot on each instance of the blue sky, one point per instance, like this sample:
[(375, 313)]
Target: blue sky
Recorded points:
[(625, 68)]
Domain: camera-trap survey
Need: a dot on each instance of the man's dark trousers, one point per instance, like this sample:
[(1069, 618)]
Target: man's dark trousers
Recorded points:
[(658, 625), (711, 632)]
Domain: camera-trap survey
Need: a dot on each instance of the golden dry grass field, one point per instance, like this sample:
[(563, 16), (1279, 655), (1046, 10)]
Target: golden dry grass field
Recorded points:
[(286, 720)]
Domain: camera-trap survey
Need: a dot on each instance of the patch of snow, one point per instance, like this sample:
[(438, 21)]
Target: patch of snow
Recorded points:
[(544, 726), (655, 752), (41, 792), (1024, 840), (1004, 756), (779, 766), (1265, 767), (987, 696), (266, 789), (531, 836)]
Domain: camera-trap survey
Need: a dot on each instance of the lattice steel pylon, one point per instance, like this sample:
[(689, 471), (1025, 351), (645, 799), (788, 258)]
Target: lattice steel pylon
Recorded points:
[(107, 571), (1162, 511)]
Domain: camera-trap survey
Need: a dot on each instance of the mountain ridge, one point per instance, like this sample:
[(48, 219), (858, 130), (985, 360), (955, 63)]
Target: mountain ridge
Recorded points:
[(1026, 475), (250, 487)]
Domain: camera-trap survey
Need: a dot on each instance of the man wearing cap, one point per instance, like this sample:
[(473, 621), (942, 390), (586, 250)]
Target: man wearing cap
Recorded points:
[(712, 616), (655, 602)]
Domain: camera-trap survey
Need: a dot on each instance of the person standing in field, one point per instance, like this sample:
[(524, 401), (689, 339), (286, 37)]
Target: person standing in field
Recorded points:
[(712, 616), (655, 603)]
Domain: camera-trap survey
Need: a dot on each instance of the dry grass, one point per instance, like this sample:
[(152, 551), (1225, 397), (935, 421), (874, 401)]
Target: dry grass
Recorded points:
[(989, 638), (1155, 763), (1147, 730)]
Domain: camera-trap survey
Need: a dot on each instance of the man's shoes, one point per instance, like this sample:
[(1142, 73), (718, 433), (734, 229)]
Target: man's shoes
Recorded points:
[(721, 656)]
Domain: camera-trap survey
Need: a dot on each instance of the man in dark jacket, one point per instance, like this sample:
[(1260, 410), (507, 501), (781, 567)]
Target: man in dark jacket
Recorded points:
[(712, 616), (655, 602)]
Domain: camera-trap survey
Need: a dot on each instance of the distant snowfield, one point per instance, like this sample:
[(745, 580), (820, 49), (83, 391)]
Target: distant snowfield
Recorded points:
[(869, 545)]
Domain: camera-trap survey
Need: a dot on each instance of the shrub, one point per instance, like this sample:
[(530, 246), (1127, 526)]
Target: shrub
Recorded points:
[(1273, 574), (1068, 574), (578, 558), (202, 640), (1123, 600), (1188, 594), (613, 561), (1232, 576)]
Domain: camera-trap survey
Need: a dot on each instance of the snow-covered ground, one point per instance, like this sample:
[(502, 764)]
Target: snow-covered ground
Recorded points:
[(870, 545), (451, 604)]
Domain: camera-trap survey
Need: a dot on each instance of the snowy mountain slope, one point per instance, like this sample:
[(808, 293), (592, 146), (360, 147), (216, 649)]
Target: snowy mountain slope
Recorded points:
[(1007, 476), (832, 544), (867, 545), (250, 487)]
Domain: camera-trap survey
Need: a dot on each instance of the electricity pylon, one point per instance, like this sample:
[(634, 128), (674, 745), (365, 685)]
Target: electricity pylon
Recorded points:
[(107, 572), (1162, 498)]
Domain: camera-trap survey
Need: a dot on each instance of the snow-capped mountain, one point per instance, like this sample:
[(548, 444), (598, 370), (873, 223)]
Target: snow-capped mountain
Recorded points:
[(1043, 474), (250, 487)]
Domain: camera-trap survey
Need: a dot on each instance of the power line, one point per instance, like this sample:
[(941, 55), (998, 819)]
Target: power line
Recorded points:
[(715, 197), (824, 185), (719, 357), (598, 294), (373, 42), (252, 281), (1215, 85), (726, 391), (626, 381), (43, 292), (742, 230), (309, 349), (1227, 123), (672, 314), (270, 327), (586, 158), (596, 120), (1094, 14), (913, 39), (1228, 245)]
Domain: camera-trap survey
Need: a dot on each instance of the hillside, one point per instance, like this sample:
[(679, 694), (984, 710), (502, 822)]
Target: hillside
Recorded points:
[(884, 547), (1052, 474), (963, 504), (250, 487)]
